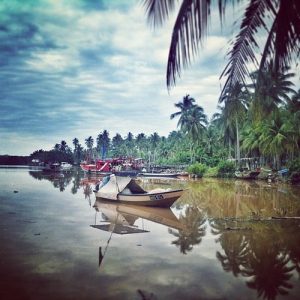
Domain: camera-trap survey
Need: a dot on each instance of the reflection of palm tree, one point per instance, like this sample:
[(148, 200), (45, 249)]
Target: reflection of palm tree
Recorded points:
[(76, 183), (270, 274), (235, 248), (87, 191), (268, 263), (193, 231)]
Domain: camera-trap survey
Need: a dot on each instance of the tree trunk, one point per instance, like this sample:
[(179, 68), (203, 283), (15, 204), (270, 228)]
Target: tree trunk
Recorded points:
[(191, 152), (229, 148), (238, 153)]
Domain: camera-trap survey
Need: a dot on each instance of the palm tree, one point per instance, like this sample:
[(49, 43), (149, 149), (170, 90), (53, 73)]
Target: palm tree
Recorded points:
[(236, 104), (63, 146), (117, 142), (77, 150), (75, 143), (220, 120), (129, 144), (89, 143), (154, 140), (103, 143), (186, 104), (192, 120), (193, 124), (272, 89), (275, 138), (280, 19)]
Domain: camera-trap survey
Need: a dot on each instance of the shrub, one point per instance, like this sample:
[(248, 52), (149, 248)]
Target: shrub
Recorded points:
[(212, 172), (294, 165), (294, 170), (197, 169), (225, 167)]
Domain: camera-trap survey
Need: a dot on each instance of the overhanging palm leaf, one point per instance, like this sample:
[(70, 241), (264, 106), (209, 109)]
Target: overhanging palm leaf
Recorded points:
[(243, 48), (189, 29), (282, 42)]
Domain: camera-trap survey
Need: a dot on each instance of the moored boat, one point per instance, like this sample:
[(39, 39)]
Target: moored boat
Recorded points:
[(163, 175), (57, 167), (127, 191)]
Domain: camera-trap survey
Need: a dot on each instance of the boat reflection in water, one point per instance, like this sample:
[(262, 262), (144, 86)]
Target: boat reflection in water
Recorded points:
[(122, 219)]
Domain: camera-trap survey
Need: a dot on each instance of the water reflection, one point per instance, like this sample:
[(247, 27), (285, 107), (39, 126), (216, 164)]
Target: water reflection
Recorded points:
[(122, 219), (242, 199), (193, 231), (60, 180), (250, 245), (265, 252)]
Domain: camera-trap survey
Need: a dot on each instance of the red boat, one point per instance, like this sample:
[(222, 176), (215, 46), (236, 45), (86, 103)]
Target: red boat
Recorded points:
[(98, 166), (112, 165)]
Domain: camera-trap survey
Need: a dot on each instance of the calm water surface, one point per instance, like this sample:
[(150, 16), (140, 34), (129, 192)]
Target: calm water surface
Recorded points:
[(219, 241)]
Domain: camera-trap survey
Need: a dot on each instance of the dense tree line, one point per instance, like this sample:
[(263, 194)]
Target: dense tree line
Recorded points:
[(263, 123)]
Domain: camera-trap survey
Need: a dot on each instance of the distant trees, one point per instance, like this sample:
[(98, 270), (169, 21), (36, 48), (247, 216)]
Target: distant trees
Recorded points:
[(272, 136)]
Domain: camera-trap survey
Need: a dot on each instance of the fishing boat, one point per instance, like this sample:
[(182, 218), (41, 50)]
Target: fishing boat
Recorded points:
[(96, 167), (126, 190), (57, 167), (122, 166), (246, 174), (161, 175)]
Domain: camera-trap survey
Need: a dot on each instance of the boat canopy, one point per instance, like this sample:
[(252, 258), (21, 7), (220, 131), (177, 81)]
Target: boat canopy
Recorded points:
[(117, 185)]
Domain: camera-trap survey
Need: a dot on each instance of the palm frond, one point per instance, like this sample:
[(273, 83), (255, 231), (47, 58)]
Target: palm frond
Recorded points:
[(189, 29), (284, 36), (243, 49), (158, 10)]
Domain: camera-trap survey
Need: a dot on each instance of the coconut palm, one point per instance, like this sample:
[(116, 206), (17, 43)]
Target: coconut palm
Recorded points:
[(192, 120), (184, 106), (89, 143), (103, 143), (219, 119), (117, 143), (63, 146), (279, 18), (236, 102), (154, 139), (272, 90), (276, 138), (193, 123)]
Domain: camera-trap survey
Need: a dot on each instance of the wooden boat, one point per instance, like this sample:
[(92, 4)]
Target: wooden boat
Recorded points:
[(246, 174), (127, 191), (57, 167), (162, 175)]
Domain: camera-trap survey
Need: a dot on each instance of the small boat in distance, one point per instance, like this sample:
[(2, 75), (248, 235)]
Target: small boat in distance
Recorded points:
[(126, 190), (162, 175), (57, 167), (124, 166)]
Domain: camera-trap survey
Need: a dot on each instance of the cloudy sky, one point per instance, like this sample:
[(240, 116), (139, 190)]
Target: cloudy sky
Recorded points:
[(74, 68)]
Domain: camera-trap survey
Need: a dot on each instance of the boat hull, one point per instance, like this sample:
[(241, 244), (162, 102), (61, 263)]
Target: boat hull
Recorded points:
[(163, 199), (161, 175)]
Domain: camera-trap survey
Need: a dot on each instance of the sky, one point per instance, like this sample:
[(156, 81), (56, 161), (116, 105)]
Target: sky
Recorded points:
[(75, 68)]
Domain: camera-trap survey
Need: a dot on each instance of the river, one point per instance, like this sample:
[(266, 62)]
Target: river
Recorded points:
[(220, 240)]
